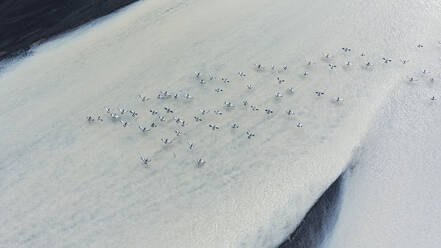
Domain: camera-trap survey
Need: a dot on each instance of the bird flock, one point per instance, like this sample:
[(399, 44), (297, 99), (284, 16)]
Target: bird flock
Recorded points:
[(166, 115)]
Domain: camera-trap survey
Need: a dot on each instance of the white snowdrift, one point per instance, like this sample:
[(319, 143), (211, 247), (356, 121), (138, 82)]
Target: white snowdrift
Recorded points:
[(65, 183), (393, 197)]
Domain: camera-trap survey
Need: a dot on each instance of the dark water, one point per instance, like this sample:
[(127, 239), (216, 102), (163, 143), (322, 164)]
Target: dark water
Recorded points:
[(26, 22), (318, 221)]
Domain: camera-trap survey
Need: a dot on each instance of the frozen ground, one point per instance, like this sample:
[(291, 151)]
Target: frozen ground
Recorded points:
[(66, 183), (392, 198)]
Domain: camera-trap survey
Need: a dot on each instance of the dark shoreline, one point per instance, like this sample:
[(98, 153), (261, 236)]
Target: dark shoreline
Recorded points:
[(321, 218), (24, 23)]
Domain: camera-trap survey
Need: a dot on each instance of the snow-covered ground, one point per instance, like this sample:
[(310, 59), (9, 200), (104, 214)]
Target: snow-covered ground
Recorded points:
[(67, 183), (392, 198)]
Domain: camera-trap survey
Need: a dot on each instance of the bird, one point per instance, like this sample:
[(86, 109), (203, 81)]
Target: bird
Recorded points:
[(190, 146), (153, 125), (306, 74), (348, 63), (145, 161), (114, 116), (225, 80), (339, 99), (235, 125), (299, 125), (108, 110), (290, 112), (319, 93), (385, 60), (412, 79), (198, 74), (420, 45), (166, 141), (346, 49), (362, 54), (200, 162), (213, 127), (424, 71), (290, 90), (228, 104), (250, 86), (90, 119), (187, 96), (178, 133), (164, 94), (242, 74), (99, 118), (245, 102), (285, 67), (332, 66), (143, 98), (368, 64), (179, 121), (197, 118), (433, 98), (154, 112), (250, 134), (278, 95), (168, 110), (268, 111), (143, 129), (203, 111), (218, 90), (254, 108), (124, 123), (162, 118), (259, 67), (218, 112), (404, 61), (122, 111), (134, 114), (202, 81), (280, 80)]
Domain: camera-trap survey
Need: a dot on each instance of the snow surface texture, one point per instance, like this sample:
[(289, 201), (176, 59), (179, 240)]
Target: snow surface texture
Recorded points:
[(392, 198), (67, 183)]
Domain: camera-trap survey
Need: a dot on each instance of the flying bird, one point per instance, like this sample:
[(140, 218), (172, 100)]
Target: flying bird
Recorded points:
[(213, 127), (268, 111), (124, 123), (250, 134), (168, 110), (145, 161), (166, 141), (143, 129), (143, 98), (200, 162)]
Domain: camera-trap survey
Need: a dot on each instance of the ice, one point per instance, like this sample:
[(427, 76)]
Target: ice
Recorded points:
[(66, 183)]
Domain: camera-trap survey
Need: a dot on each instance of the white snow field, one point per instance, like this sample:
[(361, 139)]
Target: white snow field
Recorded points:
[(392, 198), (65, 182)]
